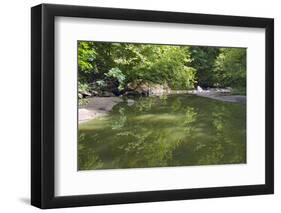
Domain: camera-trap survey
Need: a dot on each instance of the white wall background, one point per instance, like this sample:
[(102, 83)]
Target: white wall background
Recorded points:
[(15, 105)]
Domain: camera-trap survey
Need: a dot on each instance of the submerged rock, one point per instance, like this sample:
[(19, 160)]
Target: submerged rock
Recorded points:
[(130, 102)]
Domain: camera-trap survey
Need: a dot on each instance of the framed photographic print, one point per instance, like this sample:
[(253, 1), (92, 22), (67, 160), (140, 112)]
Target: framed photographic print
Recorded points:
[(139, 106)]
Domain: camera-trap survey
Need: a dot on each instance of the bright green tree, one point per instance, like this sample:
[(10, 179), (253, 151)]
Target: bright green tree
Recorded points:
[(230, 67)]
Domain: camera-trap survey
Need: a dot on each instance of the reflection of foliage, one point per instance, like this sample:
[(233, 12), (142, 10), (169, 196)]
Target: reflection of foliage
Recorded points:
[(87, 158), (214, 156), (177, 131), (176, 105), (163, 99), (190, 118), (219, 120), (215, 151), (148, 148), (224, 149), (145, 104), (120, 122)]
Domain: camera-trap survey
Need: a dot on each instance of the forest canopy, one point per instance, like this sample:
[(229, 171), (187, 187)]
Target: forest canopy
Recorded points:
[(113, 66)]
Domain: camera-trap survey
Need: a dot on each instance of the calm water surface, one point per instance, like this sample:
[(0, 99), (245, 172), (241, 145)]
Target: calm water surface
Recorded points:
[(175, 130)]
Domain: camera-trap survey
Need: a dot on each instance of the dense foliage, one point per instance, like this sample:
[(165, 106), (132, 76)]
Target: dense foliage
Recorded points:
[(230, 67), (203, 59), (112, 66)]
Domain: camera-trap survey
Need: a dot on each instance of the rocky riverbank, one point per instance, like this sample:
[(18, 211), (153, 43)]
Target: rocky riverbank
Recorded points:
[(100, 106), (97, 107), (220, 94)]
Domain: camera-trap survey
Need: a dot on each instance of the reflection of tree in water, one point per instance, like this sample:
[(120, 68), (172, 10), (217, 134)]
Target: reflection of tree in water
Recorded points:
[(87, 158), (215, 149), (223, 149), (149, 146), (163, 99), (189, 119), (146, 147), (120, 121), (145, 104), (176, 104), (166, 131)]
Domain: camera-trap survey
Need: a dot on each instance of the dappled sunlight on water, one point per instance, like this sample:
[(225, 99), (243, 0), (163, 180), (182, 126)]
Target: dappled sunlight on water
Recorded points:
[(176, 130)]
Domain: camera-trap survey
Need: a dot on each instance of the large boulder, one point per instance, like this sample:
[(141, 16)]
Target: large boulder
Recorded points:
[(144, 88), (137, 88), (158, 89)]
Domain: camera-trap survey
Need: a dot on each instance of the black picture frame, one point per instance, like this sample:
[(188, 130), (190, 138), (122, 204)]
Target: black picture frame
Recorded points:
[(43, 102)]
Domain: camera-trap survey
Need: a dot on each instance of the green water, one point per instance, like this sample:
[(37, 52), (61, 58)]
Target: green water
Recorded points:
[(175, 130)]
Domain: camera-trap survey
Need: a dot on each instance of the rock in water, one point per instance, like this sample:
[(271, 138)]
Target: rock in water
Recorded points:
[(130, 102)]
